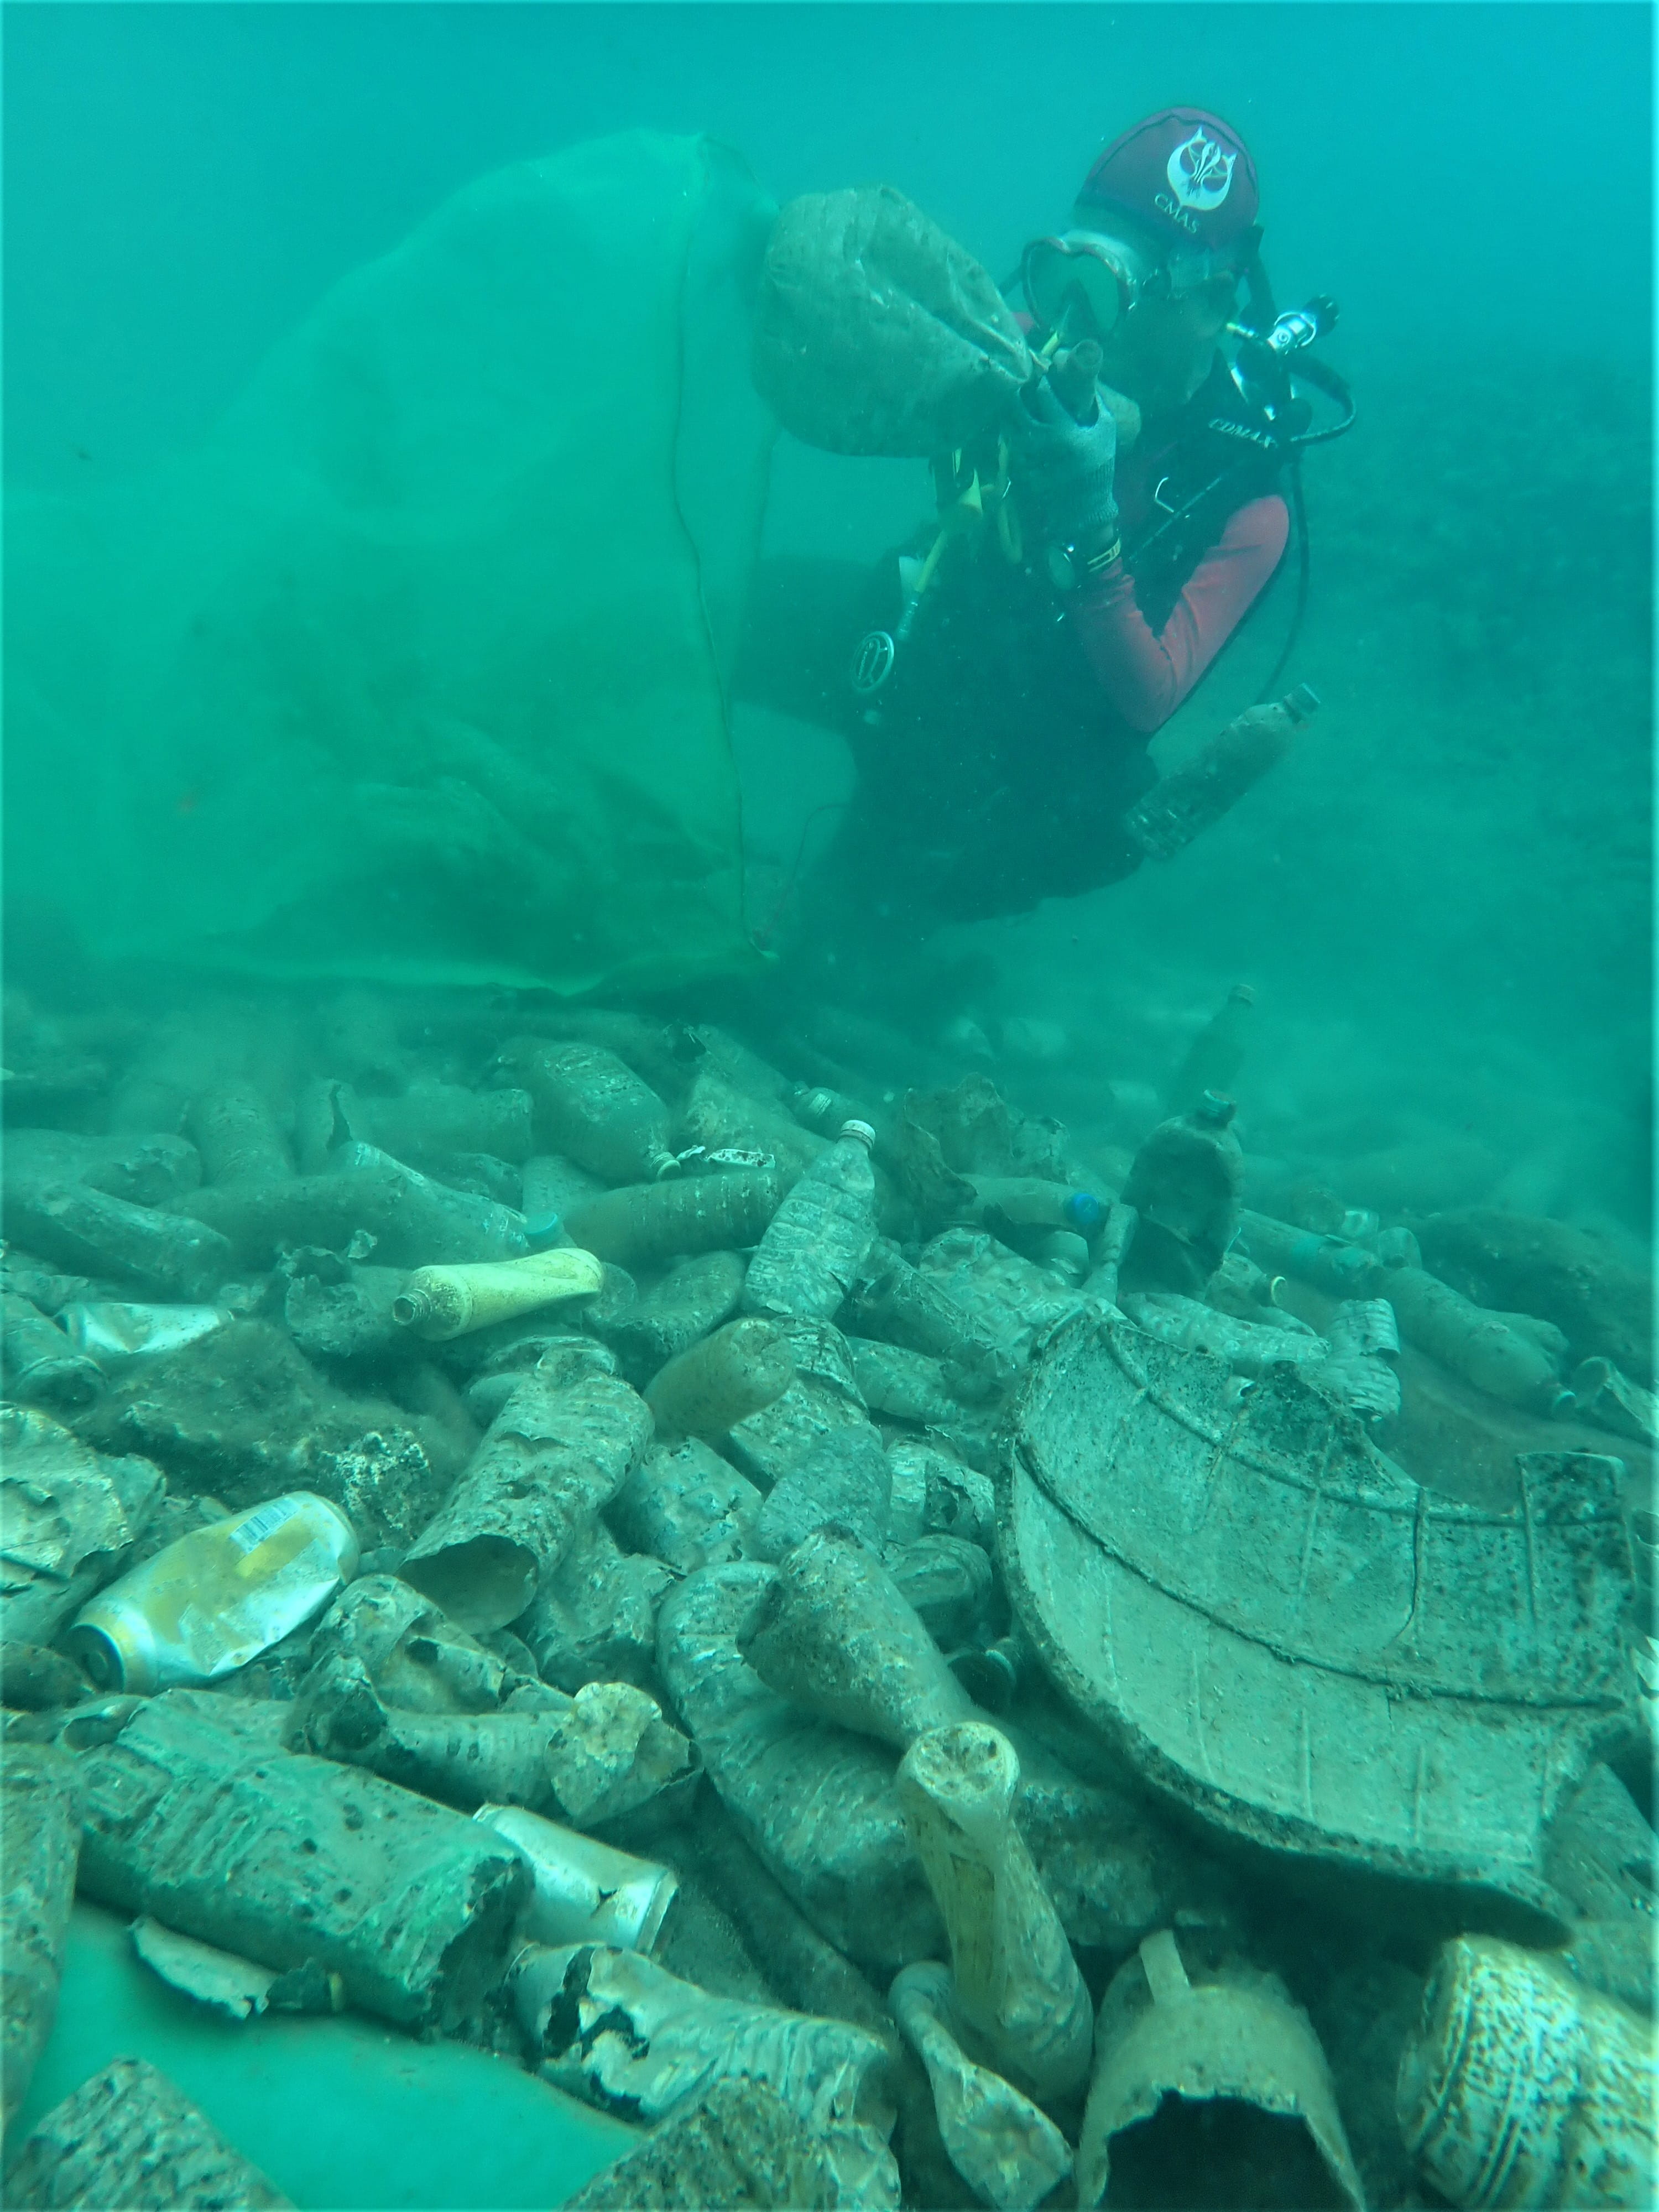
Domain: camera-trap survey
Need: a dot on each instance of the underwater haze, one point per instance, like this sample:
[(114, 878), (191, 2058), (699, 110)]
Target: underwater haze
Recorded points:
[(1443, 904), (827, 1353)]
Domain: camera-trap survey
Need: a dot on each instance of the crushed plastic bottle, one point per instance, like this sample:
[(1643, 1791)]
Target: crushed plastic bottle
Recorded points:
[(215, 1599), (113, 1334), (815, 1244)]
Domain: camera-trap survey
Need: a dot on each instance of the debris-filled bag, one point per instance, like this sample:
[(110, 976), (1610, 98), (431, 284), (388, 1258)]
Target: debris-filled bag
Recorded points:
[(876, 334), (414, 669)]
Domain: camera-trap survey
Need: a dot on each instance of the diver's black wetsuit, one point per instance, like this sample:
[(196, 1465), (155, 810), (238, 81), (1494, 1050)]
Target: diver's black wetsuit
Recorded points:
[(992, 769)]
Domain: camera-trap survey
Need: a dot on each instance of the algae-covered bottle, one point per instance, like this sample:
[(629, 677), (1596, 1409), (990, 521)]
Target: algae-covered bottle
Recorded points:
[(1180, 805), (646, 1221), (1495, 1351), (1216, 1054), (40, 1363), (1185, 1186), (591, 1106), (713, 1384), (815, 1244)]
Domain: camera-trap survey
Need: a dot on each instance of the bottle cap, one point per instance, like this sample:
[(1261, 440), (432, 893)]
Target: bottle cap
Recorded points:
[(117, 1650), (1301, 703), (861, 1130), (412, 1307), (1215, 1109), (1244, 993), (1084, 1212)]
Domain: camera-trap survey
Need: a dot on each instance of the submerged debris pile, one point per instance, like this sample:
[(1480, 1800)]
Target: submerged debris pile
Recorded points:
[(909, 1661)]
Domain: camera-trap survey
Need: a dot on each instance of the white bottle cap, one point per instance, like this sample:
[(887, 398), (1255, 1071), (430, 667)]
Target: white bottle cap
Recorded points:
[(861, 1130)]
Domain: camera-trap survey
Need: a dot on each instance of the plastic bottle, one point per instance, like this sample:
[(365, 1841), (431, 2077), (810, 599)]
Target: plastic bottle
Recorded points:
[(110, 1333), (1016, 1983), (592, 1107), (836, 1634), (1184, 1186), (440, 1303), (710, 1386), (1347, 1270), (1177, 808), (216, 1598), (815, 1244), (1033, 1202), (815, 1106), (646, 1221), (233, 1128), (94, 1234), (1216, 1054), (586, 1891), (449, 1226), (1521, 2086), (1484, 1348), (431, 1117), (40, 1363)]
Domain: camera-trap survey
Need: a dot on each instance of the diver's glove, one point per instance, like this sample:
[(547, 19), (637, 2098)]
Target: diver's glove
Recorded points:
[(1064, 473)]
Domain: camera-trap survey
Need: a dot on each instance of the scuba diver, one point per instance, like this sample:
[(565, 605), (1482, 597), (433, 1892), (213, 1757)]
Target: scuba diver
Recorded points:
[(998, 681)]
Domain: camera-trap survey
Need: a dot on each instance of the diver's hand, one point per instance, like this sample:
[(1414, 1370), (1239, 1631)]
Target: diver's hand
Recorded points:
[(1064, 471)]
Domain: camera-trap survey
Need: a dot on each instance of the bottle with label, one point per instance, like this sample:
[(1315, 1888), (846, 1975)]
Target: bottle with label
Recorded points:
[(1216, 1054), (218, 1597), (1178, 807), (1185, 1186), (815, 1106), (815, 1243)]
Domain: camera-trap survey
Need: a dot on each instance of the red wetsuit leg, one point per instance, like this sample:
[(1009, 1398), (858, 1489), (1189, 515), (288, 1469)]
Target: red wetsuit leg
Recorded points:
[(1145, 674)]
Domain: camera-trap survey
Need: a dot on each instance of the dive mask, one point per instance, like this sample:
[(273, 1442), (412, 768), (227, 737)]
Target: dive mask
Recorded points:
[(1082, 282), (1079, 284)]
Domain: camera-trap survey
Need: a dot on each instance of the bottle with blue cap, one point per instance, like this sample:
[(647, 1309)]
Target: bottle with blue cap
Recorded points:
[(1039, 1220)]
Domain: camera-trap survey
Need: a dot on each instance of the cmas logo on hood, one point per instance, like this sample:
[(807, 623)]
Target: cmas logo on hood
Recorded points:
[(1200, 175)]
